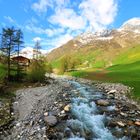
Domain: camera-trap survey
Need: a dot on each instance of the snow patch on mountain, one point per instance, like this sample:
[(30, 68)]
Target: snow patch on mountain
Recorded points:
[(131, 25), (105, 38), (28, 52), (132, 22), (88, 37)]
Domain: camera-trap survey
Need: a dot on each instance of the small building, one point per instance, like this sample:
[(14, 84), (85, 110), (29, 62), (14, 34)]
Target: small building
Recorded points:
[(23, 61)]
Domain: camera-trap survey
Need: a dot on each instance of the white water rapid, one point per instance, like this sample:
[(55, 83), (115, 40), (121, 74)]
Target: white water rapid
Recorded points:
[(87, 123)]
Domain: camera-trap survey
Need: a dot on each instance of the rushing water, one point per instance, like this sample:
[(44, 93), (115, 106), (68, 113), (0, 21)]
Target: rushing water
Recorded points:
[(87, 123)]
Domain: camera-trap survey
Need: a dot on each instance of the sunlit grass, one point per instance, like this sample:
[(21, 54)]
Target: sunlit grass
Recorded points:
[(128, 74)]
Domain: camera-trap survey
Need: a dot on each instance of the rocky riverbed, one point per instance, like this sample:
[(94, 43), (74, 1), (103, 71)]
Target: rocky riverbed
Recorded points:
[(74, 109)]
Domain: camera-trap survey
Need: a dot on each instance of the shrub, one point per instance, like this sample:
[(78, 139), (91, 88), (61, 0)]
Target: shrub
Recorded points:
[(68, 63), (48, 68), (63, 65), (36, 71)]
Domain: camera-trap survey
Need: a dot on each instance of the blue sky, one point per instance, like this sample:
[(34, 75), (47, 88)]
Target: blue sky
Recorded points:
[(54, 22)]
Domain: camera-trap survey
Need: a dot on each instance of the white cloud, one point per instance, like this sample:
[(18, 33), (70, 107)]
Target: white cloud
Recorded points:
[(99, 13), (67, 18), (27, 52), (14, 22), (10, 19), (62, 3), (41, 5), (32, 28), (56, 42), (48, 31), (52, 32), (37, 39), (62, 40)]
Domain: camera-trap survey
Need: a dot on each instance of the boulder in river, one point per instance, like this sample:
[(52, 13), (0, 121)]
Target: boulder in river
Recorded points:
[(46, 114), (50, 120), (137, 123), (112, 91), (102, 102), (121, 124), (67, 108)]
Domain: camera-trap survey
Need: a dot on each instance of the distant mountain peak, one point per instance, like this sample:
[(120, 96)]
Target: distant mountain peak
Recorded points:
[(131, 25), (134, 22), (28, 52), (109, 42)]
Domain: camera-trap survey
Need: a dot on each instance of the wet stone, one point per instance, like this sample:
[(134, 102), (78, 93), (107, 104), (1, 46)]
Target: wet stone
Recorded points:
[(50, 120), (67, 108), (118, 133), (102, 102), (137, 123), (67, 133)]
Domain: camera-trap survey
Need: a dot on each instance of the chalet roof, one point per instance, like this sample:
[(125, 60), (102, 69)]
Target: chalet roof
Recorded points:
[(20, 58)]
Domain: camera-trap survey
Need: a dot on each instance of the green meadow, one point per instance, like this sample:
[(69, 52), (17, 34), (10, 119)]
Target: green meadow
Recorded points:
[(128, 74), (125, 69)]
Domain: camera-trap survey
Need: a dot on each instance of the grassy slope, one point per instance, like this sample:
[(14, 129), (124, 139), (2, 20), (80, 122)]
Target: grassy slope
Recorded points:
[(128, 56), (125, 69), (125, 65), (95, 57), (83, 56), (128, 74)]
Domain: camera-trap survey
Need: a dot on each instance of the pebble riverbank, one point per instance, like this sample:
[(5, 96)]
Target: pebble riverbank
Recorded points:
[(44, 113)]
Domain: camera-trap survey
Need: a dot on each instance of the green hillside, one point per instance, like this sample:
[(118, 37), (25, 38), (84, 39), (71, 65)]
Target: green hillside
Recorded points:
[(112, 64), (124, 68), (128, 56), (128, 74), (89, 57), (93, 57)]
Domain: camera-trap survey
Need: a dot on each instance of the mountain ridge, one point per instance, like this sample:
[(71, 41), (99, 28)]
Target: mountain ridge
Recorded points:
[(110, 43)]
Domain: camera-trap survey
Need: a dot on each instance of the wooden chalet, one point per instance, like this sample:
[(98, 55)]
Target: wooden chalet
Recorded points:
[(23, 61)]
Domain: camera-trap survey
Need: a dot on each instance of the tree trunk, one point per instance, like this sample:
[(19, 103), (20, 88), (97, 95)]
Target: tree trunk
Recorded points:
[(9, 56), (8, 69), (18, 66)]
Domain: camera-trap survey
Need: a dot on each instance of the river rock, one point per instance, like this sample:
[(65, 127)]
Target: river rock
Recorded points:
[(112, 123), (112, 91), (67, 133), (118, 133), (123, 114), (102, 102), (67, 108), (133, 132), (1, 104), (50, 120), (121, 124), (137, 123), (46, 113)]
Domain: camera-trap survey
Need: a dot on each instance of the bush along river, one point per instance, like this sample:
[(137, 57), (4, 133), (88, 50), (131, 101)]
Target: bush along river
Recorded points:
[(74, 109)]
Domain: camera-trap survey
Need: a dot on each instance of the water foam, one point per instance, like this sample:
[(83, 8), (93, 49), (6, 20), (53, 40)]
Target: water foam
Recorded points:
[(86, 120)]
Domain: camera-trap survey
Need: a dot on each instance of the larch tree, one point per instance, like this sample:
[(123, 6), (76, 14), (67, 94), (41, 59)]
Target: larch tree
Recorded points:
[(7, 46), (11, 40), (19, 42), (36, 50)]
